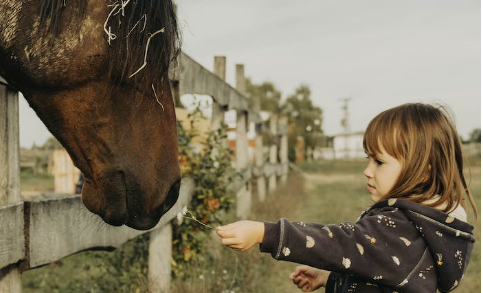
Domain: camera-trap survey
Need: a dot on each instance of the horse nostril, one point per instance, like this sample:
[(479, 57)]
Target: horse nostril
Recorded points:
[(172, 197)]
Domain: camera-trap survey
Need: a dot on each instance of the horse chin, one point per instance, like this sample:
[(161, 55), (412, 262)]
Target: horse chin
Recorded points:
[(119, 201), (107, 198), (153, 217)]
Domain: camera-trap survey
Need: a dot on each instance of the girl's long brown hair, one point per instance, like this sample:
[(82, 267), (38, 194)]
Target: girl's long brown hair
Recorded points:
[(423, 138)]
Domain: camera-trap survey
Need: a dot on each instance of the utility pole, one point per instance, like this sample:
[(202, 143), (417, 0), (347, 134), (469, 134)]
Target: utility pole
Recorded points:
[(345, 120), (345, 123)]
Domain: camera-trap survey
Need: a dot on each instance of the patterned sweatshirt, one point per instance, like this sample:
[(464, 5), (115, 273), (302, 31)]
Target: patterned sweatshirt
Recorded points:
[(396, 246)]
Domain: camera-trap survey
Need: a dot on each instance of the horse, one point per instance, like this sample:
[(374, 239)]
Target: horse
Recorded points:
[(96, 74)]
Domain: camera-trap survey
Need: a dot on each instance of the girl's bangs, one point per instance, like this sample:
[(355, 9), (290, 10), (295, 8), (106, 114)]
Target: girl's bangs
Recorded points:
[(380, 133), (371, 140)]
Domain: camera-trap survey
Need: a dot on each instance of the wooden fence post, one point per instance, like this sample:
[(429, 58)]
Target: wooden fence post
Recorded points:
[(159, 270), (299, 150), (243, 198), (272, 180), (10, 281), (218, 113), (284, 148), (259, 160)]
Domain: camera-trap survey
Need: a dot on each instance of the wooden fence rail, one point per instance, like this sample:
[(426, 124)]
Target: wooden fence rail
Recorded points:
[(35, 233)]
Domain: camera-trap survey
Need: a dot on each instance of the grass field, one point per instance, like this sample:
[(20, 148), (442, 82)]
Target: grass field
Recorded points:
[(326, 192), (32, 182)]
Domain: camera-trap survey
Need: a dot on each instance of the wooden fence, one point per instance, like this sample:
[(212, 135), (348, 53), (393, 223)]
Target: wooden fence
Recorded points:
[(36, 233)]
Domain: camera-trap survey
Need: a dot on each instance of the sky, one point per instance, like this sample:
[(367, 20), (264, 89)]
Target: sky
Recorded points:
[(377, 53)]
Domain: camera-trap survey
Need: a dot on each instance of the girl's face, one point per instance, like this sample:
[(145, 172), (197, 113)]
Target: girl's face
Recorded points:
[(382, 172)]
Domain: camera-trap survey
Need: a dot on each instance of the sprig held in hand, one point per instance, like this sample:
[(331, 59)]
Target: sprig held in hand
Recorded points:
[(191, 216)]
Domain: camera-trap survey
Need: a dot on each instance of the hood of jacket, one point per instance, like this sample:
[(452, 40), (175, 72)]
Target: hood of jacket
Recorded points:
[(449, 239)]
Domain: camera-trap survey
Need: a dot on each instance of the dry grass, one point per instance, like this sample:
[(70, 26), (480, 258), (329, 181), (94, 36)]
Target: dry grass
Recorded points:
[(327, 192)]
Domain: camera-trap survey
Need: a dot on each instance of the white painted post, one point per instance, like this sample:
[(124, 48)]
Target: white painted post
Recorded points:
[(10, 281), (272, 180), (284, 148), (159, 269), (243, 197)]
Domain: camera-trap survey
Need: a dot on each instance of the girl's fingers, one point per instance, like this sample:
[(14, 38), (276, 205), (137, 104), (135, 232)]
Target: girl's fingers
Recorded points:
[(228, 226), (303, 283), (296, 280), (306, 288), (233, 244), (229, 241), (299, 271), (225, 233)]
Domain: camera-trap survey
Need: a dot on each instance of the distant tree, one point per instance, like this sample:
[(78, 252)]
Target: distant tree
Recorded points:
[(305, 119), (267, 93), (475, 135)]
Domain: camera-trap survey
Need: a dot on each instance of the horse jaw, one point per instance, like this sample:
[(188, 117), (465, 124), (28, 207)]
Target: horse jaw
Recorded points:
[(124, 143), (108, 129), (126, 206)]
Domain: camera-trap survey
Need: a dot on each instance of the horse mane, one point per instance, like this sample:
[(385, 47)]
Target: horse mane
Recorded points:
[(143, 36)]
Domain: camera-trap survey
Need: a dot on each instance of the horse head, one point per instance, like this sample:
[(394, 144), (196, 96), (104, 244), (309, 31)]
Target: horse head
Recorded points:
[(96, 73)]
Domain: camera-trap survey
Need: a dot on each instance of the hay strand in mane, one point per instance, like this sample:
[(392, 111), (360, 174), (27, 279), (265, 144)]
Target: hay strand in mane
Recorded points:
[(143, 54), (146, 52), (135, 55), (156, 96)]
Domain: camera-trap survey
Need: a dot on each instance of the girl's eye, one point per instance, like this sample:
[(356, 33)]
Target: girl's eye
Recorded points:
[(379, 162)]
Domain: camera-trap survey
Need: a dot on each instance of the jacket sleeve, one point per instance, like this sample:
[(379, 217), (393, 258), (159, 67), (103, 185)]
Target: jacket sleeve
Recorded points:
[(332, 283), (384, 247)]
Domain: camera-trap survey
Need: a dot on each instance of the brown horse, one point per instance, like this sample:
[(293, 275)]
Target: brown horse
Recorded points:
[(96, 73)]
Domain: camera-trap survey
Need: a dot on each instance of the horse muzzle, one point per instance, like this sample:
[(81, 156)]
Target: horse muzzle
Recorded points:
[(119, 199)]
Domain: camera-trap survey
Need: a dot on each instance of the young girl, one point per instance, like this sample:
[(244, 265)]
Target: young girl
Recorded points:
[(413, 239)]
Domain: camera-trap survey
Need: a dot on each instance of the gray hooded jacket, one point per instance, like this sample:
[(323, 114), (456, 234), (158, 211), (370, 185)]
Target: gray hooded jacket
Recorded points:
[(395, 246)]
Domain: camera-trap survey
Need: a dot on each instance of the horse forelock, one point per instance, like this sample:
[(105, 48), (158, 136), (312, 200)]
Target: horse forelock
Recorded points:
[(145, 43), (143, 36)]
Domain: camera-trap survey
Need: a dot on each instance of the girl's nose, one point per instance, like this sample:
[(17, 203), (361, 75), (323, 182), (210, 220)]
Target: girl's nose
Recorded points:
[(368, 172)]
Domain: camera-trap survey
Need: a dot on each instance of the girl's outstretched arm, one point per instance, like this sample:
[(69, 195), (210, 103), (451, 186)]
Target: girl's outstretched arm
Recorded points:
[(241, 235)]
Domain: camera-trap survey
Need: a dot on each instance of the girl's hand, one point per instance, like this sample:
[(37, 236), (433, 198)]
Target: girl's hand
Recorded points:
[(241, 235), (309, 279)]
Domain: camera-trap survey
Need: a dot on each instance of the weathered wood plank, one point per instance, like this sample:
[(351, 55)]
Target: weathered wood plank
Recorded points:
[(62, 227), (195, 79), (4, 170), (273, 157), (160, 250), (10, 280), (244, 194), (13, 145), (218, 111), (12, 240), (9, 147), (283, 125)]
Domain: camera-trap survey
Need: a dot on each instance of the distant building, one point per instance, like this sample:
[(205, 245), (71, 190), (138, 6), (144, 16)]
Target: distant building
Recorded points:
[(349, 146), (38, 159), (342, 147)]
